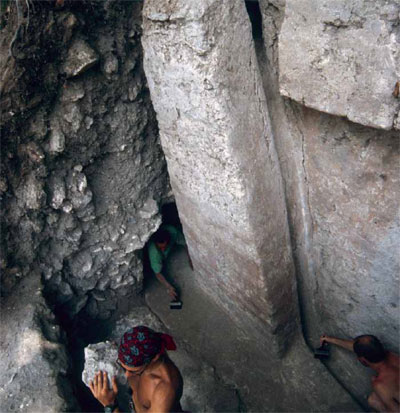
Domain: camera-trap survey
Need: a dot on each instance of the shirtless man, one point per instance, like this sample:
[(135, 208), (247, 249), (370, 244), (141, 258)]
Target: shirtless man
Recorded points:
[(155, 381), (385, 396)]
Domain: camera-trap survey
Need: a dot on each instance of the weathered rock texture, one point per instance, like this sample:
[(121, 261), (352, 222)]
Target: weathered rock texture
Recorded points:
[(341, 182), (83, 173), (215, 131), (33, 359), (343, 58), (203, 391)]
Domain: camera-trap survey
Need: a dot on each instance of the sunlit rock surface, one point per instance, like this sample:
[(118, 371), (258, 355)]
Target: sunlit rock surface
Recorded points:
[(343, 58)]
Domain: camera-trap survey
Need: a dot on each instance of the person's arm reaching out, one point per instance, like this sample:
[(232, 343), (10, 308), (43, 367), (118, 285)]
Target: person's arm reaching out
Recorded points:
[(156, 265), (171, 290), (347, 344)]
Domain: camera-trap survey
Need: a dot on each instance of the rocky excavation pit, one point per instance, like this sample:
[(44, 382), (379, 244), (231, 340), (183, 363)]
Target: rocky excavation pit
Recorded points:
[(277, 140)]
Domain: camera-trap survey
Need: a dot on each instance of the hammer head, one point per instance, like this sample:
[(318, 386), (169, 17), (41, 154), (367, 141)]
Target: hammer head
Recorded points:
[(175, 305), (322, 353)]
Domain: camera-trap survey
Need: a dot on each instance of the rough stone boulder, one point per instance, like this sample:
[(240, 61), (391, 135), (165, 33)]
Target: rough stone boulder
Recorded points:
[(33, 359), (343, 58), (203, 392)]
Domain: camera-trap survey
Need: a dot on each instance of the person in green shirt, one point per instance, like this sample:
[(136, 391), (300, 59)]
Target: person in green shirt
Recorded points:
[(160, 247)]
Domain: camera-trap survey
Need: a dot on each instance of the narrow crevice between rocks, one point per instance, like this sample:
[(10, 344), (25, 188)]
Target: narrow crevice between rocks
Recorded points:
[(255, 16), (254, 12)]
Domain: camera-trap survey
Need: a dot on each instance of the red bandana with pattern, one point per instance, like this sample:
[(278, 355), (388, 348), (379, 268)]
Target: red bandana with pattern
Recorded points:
[(141, 344)]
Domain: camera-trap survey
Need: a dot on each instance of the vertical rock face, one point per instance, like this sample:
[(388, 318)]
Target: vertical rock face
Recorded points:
[(33, 357), (215, 131), (341, 183), (85, 170), (346, 59)]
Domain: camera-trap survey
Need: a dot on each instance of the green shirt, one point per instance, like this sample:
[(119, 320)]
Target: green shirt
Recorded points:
[(156, 256)]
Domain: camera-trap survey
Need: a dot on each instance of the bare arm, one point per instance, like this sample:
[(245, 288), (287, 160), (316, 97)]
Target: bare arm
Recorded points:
[(171, 290), (346, 344)]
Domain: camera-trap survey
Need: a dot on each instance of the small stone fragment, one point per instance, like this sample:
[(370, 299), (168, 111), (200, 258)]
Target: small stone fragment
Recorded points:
[(3, 184), (57, 192), (81, 264), (57, 141), (67, 207), (73, 92), (31, 193), (149, 209), (111, 65), (34, 152), (81, 57)]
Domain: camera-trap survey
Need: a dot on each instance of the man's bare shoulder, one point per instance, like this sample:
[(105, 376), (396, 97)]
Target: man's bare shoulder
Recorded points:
[(164, 398)]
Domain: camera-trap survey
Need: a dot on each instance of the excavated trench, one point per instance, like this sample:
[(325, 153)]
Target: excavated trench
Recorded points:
[(97, 99)]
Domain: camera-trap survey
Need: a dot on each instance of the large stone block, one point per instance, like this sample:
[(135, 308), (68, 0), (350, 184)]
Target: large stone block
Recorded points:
[(215, 131), (343, 58)]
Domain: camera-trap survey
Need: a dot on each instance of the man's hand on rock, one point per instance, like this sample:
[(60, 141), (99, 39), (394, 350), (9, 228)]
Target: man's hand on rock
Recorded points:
[(100, 389), (324, 338)]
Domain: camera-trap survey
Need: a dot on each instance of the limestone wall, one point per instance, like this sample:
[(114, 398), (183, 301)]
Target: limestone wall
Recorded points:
[(342, 190), (350, 58)]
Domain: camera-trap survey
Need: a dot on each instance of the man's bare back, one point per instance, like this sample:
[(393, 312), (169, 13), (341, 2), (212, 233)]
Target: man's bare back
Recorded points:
[(385, 395), (158, 388), (385, 385)]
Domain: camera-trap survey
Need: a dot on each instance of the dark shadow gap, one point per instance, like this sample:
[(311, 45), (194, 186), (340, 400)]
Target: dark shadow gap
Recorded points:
[(253, 9)]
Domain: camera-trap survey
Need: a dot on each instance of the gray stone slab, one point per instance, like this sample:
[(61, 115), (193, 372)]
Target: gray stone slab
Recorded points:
[(215, 131), (342, 57)]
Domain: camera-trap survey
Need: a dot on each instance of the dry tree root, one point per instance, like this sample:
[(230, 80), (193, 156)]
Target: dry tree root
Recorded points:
[(21, 23)]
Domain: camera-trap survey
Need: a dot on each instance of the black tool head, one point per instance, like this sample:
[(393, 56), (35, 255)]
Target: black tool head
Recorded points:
[(322, 353), (175, 305)]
